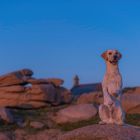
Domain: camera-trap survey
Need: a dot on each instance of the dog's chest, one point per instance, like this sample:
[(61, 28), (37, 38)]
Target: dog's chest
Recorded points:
[(114, 84)]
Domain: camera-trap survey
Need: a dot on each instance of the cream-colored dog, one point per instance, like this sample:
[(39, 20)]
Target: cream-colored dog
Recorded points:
[(111, 111)]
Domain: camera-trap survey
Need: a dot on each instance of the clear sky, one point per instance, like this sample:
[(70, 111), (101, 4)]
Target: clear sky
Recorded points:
[(61, 38)]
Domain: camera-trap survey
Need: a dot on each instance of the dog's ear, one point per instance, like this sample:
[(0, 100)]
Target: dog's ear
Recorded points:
[(104, 55), (120, 55)]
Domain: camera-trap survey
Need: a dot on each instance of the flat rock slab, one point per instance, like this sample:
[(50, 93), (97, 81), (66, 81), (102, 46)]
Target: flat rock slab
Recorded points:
[(55, 81), (103, 132), (37, 125), (16, 78), (75, 113), (131, 103)]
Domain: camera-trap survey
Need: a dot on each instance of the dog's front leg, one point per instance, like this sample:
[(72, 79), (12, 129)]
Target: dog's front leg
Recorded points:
[(105, 110), (107, 97)]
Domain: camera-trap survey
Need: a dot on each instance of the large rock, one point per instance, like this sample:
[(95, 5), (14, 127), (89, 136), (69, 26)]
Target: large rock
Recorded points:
[(90, 98), (103, 132), (19, 89), (4, 136), (47, 134), (55, 81), (15, 78), (131, 90), (42, 92), (53, 95), (63, 95), (34, 96), (92, 132), (131, 103), (36, 125), (12, 89), (44, 135), (75, 113)]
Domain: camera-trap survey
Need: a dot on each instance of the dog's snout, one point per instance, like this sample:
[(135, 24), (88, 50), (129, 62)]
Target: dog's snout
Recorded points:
[(115, 57)]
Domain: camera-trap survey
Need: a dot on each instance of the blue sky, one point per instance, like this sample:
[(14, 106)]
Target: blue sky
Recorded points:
[(59, 38)]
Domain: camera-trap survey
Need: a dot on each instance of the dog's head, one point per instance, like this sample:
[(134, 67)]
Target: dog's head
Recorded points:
[(112, 56)]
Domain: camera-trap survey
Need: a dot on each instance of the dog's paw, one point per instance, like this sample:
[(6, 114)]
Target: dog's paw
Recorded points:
[(120, 123), (102, 123)]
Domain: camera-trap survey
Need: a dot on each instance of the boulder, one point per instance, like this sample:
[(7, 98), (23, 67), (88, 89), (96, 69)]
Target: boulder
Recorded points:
[(19, 134), (4, 136), (103, 132), (19, 89), (90, 98), (131, 103), (36, 125), (42, 92), (55, 81), (12, 89), (34, 96), (38, 81), (47, 134), (51, 134), (75, 113), (64, 96), (131, 90), (19, 77)]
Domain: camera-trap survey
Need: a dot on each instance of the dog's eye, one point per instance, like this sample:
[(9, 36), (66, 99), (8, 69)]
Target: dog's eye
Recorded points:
[(110, 53)]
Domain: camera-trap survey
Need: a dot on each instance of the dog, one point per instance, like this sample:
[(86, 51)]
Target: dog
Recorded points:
[(111, 111)]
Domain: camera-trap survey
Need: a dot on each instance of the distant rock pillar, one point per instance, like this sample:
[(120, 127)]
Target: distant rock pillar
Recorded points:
[(76, 81)]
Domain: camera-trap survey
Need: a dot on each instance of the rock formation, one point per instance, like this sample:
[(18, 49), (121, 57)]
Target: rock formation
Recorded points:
[(19, 89), (130, 101), (92, 132), (75, 113), (103, 132)]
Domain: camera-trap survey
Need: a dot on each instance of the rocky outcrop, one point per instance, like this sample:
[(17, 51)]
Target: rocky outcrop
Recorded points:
[(20, 89), (55, 81), (4, 136), (51, 134), (75, 113), (92, 132), (103, 132), (16, 78), (130, 102), (131, 90), (92, 97)]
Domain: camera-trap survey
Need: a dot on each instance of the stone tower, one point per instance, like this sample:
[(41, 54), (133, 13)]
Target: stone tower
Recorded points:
[(76, 81)]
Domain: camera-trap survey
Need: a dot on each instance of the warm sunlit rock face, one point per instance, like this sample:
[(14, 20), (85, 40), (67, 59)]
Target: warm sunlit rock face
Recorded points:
[(103, 132), (20, 89), (19, 77), (75, 113), (130, 100), (92, 132)]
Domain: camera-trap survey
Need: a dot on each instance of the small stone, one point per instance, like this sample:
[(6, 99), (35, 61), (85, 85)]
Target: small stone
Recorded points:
[(37, 125)]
